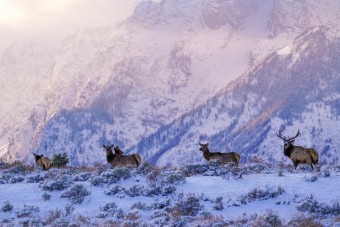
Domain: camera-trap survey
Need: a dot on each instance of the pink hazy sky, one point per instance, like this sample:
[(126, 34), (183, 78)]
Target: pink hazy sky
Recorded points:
[(54, 19)]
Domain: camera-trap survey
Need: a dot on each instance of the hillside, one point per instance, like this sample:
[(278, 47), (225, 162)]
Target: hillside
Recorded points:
[(293, 89), (255, 194), (121, 83)]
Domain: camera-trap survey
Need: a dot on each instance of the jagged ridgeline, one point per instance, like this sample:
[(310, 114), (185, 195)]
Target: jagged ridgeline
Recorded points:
[(297, 87), (294, 88)]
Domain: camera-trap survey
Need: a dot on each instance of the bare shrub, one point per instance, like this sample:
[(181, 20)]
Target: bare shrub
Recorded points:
[(98, 181), (46, 196), (26, 211), (134, 190), (319, 209), (152, 190), (197, 169), (157, 205), (208, 219), (115, 175), (170, 178), (303, 221), (83, 176), (62, 182), (114, 190), (269, 219), (75, 193), (140, 206), (312, 178), (35, 178), (54, 215), (109, 207), (7, 207), (17, 168), (16, 179), (145, 168), (132, 216), (261, 194), (160, 218), (69, 208), (168, 190), (326, 173), (218, 203), (186, 206)]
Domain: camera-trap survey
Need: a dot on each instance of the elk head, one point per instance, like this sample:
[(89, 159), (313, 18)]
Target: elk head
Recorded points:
[(108, 148), (118, 150), (204, 147), (37, 157), (287, 141)]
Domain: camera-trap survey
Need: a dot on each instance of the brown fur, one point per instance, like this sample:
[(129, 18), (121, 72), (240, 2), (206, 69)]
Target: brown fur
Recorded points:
[(314, 154), (223, 158), (121, 160), (299, 155), (118, 150), (43, 162)]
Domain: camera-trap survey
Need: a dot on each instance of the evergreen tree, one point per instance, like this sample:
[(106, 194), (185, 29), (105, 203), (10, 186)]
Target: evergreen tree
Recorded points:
[(60, 160)]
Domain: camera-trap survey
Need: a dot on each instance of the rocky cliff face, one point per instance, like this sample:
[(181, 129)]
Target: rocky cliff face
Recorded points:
[(293, 89)]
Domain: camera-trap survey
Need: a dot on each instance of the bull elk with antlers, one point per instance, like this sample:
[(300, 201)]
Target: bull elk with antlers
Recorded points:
[(298, 154), (223, 158), (118, 159)]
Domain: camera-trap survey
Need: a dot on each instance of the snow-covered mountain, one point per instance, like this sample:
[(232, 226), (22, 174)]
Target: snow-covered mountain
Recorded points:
[(122, 83), (296, 88)]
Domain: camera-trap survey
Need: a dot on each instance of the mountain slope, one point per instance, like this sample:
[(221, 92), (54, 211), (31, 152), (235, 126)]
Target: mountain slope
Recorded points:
[(294, 88), (120, 84)]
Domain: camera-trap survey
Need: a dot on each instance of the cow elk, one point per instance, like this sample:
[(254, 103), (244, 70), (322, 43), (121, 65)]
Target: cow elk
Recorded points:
[(42, 161), (223, 158), (118, 159), (118, 150), (298, 154)]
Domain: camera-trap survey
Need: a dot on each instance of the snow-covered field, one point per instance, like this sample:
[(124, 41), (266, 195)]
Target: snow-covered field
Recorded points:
[(196, 195)]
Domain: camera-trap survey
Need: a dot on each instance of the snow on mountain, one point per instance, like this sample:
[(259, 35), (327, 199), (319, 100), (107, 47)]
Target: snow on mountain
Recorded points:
[(294, 89), (119, 84)]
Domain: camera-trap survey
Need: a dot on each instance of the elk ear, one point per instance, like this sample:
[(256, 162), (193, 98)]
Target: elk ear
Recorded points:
[(112, 146), (42, 155), (103, 146), (207, 144)]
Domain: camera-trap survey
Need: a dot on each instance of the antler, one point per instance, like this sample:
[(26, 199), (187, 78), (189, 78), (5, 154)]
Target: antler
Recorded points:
[(289, 139), (281, 136), (297, 134)]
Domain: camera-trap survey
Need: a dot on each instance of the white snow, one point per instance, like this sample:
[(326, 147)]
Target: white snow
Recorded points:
[(40, 81), (285, 51), (297, 188)]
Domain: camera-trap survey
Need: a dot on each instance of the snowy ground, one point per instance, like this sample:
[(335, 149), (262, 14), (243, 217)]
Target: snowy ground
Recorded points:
[(198, 195)]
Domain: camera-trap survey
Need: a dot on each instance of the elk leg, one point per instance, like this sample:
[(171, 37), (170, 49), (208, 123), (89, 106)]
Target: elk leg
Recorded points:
[(295, 164)]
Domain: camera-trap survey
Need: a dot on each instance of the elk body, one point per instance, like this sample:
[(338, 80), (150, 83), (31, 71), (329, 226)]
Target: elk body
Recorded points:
[(42, 161), (118, 159), (223, 158), (298, 154)]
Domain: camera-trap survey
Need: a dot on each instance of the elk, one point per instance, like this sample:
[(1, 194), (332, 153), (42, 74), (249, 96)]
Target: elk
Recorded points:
[(223, 158), (120, 159), (298, 154), (118, 150), (42, 161)]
